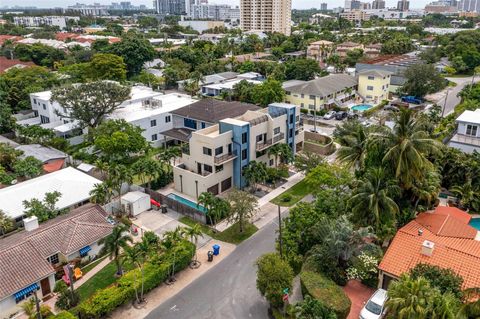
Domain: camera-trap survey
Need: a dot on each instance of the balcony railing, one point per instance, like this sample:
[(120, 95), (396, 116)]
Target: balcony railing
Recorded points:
[(220, 159), (266, 144)]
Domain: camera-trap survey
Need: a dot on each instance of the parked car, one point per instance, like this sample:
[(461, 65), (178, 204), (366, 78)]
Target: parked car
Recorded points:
[(391, 107), (352, 115), (375, 306), (330, 115), (340, 115), (412, 99)]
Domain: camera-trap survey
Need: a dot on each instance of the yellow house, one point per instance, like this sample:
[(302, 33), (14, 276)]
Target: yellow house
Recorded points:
[(373, 85), (322, 93)]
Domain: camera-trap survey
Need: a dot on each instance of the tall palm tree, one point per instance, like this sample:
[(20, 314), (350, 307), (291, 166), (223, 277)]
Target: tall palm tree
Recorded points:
[(193, 233), (353, 147), (132, 255), (6, 223), (427, 189), (469, 195), (206, 199), (115, 242), (408, 146), (117, 175), (274, 151), (101, 193), (409, 298), (372, 201)]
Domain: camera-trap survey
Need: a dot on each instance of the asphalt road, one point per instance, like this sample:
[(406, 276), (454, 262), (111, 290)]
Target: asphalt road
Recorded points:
[(227, 290), (452, 99)]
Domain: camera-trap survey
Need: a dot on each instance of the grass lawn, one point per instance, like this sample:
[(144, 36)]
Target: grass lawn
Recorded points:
[(100, 280), (293, 195), (229, 235), (90, 266)]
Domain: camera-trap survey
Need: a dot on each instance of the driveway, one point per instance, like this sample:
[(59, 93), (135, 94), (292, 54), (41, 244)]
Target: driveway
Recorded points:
[(159, 223), (358, 294)]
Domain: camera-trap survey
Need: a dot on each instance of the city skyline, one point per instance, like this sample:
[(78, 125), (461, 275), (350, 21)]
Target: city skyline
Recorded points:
[(296, 4)]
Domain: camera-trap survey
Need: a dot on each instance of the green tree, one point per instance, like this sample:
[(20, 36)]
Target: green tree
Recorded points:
[(302, 69), (422, 79), (35, 134), (242, 207), (135, 51), (90, 103), (119, 141), (408, 148), (268, 92), (306, 161), (65, 299), (311, 308), (445, 280), (6, 223), (353, 56), (373, 200), (105, 66), (38, 53), (28, 167), (45, 209), (133, 255), (273, 276), (206, 199), (398, 45), (147, 169), (469, 194), (101, 193), (193, 233), (254, 173), (115, 242), (243, 92), (354, 144)]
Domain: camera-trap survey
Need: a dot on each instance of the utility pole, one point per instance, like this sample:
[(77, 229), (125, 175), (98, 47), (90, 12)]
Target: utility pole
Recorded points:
[(37, 304), (314, 117), (280, 232), (445, 103)]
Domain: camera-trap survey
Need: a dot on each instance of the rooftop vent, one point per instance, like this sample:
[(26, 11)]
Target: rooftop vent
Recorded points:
[(420, 232), (30, 223), (427, 248)]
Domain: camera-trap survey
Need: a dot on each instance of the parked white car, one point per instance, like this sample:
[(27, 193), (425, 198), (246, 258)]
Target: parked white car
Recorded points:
[(330, 115), (375, 306)]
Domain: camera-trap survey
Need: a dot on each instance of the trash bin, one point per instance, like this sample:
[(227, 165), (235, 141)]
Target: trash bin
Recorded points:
[(210, 255), (216, 249), (164, 209)]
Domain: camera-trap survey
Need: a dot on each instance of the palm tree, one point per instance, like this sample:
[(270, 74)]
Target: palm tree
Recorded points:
[(372, 200), (353, 147), (117, 175), (274, 151), (469, 195), (6, 223), (285, 153), (206, 199), (409, 298), (147, 169), (101, 193), (113, 243), (132, 255), (427, 189), (408, 146), (193, 233), (255, 172)]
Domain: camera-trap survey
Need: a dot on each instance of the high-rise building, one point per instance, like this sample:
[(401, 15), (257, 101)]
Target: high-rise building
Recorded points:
[(378, 4), (174, 7), (214, 12), (324, 6), (266, 15), (403, 5), (469, 5)]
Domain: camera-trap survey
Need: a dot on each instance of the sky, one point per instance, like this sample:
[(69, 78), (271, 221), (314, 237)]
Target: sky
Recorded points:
[(296, 4)]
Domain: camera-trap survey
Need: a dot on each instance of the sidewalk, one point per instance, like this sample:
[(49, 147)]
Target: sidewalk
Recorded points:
[(184, 278), (266, 209)]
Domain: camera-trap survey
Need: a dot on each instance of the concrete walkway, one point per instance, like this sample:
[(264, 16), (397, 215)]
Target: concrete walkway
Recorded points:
[(266, 209)]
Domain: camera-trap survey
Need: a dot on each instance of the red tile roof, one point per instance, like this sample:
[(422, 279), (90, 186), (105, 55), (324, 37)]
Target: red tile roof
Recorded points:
[(5, 37), (454, 247), (459, 214), (54, 165), (23, 256), (6, 64)]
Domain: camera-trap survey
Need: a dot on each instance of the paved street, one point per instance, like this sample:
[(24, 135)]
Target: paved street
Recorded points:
[(226, 291), (452, 100)]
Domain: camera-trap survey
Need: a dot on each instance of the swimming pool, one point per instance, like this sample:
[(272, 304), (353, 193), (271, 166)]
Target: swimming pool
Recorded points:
[(475, 223), (361, 107), (187, 202)]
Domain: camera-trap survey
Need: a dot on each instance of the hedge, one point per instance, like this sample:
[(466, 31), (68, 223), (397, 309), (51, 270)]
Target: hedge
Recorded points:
[(155, 272), (326, 291), (63, 315)]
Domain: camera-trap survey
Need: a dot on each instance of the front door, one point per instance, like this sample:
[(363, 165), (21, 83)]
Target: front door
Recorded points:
[(45, 284)]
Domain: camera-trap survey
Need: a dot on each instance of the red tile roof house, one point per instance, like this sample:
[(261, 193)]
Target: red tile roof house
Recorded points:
[(442, 238), (27, 258)]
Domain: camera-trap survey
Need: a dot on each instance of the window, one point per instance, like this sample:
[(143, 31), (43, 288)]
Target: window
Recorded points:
[(271, 162), (303, 96), (370, 77), (259, 138), (312, 97), (292, 118), (207, 151), (276, 130), (190, 123), (218, 150), (53, 259), (290, 132), (207, 168), (311, 107), (44, 119), (153, 123), (287, 92), (218, 168), (244, 138), (369, 88), (472, 130), (244, 154), (204, 125), (34, 101), (297, 118), (260, 154), (154, 137), (44, 106), (168, 119), (302, 105)]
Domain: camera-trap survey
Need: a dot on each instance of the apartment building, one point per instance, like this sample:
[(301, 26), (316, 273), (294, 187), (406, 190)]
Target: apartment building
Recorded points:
[(266, 15), (95, 9), (322, 93), (218, 154), (355, 16), (320, 50), (343, 48), (373, 85), (214, 12), (55, 21), (467, 136)]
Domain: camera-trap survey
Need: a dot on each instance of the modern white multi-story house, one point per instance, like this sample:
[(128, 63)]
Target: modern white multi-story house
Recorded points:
[(218, 154), (146, 109), (467, 136)]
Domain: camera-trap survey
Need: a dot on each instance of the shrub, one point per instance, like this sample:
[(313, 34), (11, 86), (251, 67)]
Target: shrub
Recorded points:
[(365, 269), (62, 315), (286, 198), (65, 299), (326, 291), (444, 279), (155, 272)]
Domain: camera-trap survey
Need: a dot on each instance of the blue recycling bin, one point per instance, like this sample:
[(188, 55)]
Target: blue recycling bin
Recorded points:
[(216, 249)]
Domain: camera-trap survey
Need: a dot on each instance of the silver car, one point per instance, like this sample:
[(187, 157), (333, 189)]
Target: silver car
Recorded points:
[(375, 306)]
